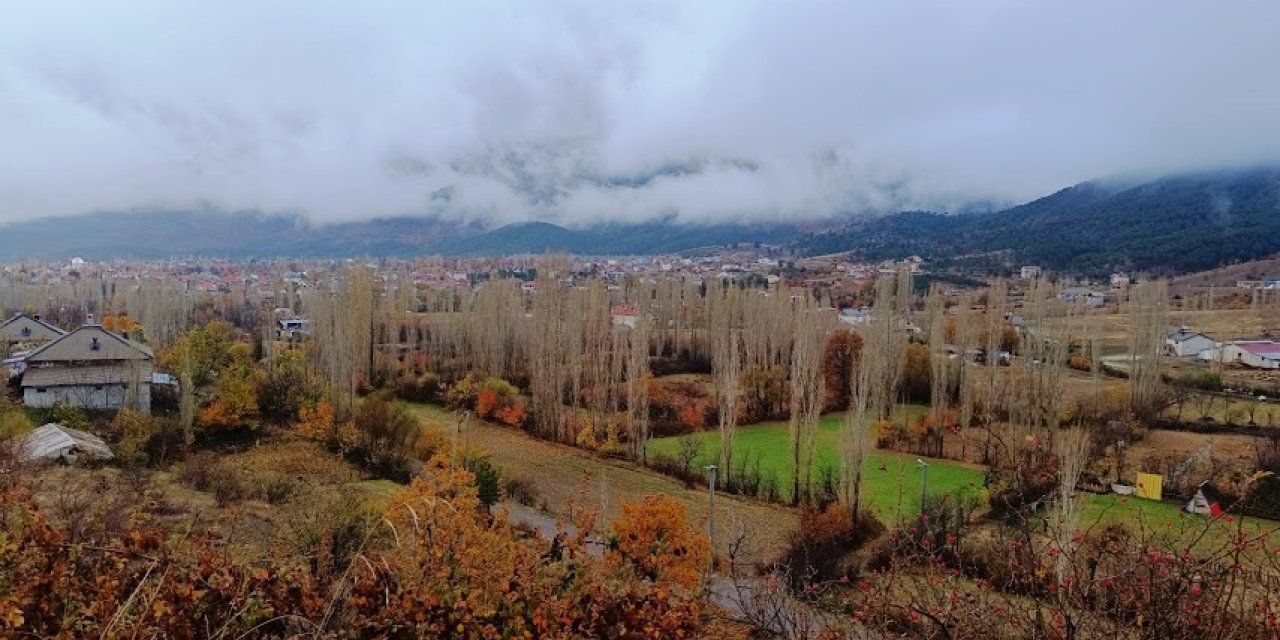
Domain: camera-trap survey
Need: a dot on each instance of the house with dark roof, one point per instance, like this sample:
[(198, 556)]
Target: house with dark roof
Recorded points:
[(91, 368), (22, 330)]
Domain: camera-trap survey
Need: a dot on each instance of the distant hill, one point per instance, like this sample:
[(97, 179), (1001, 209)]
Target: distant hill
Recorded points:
[(621, 239), (1263, 269), (162, 234), (1177, 224)]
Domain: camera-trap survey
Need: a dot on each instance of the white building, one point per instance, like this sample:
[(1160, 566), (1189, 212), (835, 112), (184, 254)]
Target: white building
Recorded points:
[(1185, 342), (1028, 272), (1259, 354), (1084, 295)]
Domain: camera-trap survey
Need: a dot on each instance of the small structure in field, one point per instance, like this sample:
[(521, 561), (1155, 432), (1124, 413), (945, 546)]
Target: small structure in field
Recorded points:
[(56, 443), (1206, 502)]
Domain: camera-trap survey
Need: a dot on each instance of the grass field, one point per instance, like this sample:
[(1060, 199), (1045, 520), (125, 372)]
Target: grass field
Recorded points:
[(567, 478), (892, 480)]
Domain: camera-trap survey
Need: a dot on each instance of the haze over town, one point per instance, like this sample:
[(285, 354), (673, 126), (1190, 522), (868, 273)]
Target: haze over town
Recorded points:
[(577, 112)]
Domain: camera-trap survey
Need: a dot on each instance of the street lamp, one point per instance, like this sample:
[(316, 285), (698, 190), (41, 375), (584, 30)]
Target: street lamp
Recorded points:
[(711, 513), (924, 481)]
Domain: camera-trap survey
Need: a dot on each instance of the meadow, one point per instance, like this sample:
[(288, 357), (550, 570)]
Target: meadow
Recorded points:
[(891, 480)]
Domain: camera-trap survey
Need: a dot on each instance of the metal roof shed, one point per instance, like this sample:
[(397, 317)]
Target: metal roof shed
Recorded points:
[(53, 442)]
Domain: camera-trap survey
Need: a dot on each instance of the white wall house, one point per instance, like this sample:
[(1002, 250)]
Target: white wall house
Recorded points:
[(1185, 342), (90, 368), (1259, 354)]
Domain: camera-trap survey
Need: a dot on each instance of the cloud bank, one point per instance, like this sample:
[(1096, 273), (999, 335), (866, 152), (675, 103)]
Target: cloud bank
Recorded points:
[(586, 111)]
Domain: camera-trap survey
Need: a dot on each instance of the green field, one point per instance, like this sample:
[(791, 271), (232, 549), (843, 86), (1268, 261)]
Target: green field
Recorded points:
[(892, 480)]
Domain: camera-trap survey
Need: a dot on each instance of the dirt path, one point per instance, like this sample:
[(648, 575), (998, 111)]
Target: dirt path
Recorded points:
[(566, 477)]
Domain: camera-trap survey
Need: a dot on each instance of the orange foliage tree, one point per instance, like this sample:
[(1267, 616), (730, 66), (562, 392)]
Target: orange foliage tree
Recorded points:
[(655, 537), (236, 404), (431, 564), (316, 421)]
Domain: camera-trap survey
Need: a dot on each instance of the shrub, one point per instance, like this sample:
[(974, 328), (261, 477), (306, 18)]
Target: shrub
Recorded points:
[(226, 485), (14, 423), (69, 415), (521, 490), (135, 432), (385, 435), (816, 549), (197, 471), (278, 489)]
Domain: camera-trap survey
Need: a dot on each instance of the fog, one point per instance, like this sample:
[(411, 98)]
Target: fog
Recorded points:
[(578, 112)]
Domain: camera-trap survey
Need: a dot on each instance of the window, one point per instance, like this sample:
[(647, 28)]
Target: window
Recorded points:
[(26, 332), (97, 387), (94, 346), (40, 389)]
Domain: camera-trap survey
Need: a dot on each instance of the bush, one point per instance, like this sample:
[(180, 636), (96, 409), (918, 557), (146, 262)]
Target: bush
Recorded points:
[(1202, 380), (14, 423), (197, 471), (385, 435), (226, 486), (135, 432), (68, 415), (278, 489), (521, 490), (816, 549)]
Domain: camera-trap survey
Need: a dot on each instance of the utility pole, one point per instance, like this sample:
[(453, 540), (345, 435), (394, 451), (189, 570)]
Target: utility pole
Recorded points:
[(924, 482), (711, 514)]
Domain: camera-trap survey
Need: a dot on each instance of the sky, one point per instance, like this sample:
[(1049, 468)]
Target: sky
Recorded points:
[(584, 111)]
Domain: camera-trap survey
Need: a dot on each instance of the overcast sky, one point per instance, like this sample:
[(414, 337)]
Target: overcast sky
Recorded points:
[(584, 111)]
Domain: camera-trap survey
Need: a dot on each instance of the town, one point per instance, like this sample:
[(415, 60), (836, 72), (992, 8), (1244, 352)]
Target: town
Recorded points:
[(928, 394)]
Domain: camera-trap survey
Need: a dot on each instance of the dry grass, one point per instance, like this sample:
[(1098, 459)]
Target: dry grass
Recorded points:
[(248, 527), (566, 477)]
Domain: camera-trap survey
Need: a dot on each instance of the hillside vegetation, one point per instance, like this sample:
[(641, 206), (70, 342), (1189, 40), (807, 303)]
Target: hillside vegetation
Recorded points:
[(1173, 225)]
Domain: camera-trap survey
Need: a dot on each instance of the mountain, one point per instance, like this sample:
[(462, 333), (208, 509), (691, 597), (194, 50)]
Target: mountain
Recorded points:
[(1176, 224), (243, 235), (162, 234), (621, 239)]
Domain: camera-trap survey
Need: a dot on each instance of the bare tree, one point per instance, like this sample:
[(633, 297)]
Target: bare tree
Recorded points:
[(726, 360), (806, 391), (1148, 316)]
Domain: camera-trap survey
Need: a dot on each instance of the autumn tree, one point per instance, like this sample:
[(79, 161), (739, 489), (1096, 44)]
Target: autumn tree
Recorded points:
[(839, 364), (654, 536)]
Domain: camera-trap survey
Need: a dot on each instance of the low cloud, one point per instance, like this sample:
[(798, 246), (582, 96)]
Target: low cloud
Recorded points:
[(586, 111)]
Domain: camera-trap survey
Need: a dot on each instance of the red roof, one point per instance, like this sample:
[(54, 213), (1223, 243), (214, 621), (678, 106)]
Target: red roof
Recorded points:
[(1262, 348)]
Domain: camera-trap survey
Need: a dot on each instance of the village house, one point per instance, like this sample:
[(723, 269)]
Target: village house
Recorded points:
[(625, 315), (24, 330), (1259, 354), (1084, 295), (293, 329), (1028, 272), (1185, 342), (19, 335), (91, 368)]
